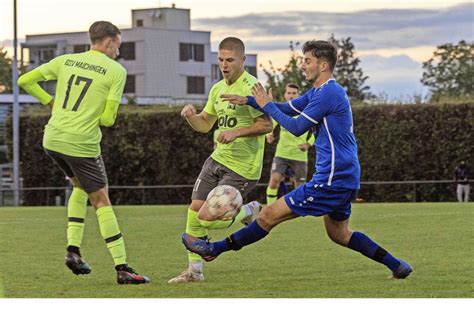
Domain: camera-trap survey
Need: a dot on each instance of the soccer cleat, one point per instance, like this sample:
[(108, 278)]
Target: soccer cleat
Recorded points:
[(202, 247), (76, 264), (126, 275), (187, 276), (403, 270), (255, 208)]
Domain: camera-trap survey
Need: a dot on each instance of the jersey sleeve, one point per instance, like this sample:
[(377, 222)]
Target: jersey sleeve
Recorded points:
[(29, 82), (118, 84), (319, 107), (292, 108), (209, 108), (50, 70), (109, 115), (296, 126)]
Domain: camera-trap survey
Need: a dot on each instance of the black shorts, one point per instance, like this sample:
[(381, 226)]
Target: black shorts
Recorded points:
[(214, 174), (90, 172), (299, 168)]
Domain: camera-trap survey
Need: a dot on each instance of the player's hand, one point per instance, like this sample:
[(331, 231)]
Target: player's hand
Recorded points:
[(234, 99), (226, 137), (261, 96), (304, 147), (188, 111), (270, 138)]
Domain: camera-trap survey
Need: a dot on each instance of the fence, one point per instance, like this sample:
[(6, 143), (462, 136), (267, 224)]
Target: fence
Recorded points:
[(61, 194)]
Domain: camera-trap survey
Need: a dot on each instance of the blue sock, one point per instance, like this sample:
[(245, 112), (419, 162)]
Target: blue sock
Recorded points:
[(245, 236), (363, 244)]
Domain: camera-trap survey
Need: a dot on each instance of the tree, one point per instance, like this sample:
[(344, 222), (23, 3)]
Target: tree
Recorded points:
[(277, 78), (450, 72), (347, 72), (5, 72)]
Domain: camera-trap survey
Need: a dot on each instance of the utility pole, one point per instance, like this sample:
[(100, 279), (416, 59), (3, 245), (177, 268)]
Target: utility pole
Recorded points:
[(16, 115)]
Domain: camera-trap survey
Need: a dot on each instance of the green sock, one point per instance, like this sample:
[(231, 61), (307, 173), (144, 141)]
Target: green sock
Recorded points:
[(271, 195), (194, 228), (76, 213), (222, 224), (110, 231)]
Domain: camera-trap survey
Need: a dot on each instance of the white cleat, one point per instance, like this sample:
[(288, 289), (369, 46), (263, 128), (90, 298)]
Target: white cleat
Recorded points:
[(252, 209), (187, 276)]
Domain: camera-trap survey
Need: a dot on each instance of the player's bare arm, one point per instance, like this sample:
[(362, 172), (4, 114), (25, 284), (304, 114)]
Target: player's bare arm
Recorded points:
[(262, 125), (202, 122), (234, 99)]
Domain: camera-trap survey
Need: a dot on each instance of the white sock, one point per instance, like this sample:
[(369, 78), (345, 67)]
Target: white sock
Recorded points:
[(248, 210), (195, 266)]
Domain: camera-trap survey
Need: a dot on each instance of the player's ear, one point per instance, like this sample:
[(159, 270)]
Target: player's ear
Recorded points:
[(107, 41)]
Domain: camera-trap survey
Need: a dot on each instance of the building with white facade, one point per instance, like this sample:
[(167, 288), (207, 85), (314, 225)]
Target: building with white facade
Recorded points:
[(166, 61)]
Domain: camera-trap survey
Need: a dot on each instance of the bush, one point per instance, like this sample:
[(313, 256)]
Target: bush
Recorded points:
[(150, 147)]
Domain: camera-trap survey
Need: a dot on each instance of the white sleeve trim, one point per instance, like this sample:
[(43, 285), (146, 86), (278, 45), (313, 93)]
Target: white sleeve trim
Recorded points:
[(293, 107), (309, 118)]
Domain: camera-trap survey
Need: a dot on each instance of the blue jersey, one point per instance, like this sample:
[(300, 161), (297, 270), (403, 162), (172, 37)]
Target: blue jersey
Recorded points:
[(326, 107)]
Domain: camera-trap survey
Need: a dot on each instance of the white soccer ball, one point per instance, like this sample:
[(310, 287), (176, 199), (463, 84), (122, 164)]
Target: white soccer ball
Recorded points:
[(224, 202)]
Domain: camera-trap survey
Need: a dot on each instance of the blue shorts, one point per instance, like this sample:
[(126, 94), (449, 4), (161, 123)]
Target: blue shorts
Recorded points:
[(316, 200)]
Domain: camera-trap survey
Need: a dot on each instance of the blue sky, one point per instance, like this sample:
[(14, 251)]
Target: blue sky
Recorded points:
[(392, 38)]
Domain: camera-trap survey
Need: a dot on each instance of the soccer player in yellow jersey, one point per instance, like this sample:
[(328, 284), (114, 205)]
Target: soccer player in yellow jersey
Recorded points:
[(88, 92), (238, 157), (291, 153)]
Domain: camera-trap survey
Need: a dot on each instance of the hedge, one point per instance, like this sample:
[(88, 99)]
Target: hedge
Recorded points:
[(147, 147)]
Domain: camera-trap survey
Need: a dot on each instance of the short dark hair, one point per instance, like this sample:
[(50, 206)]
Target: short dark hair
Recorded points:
[(232, 43), (101, 29), (293, 86), (322, 49)]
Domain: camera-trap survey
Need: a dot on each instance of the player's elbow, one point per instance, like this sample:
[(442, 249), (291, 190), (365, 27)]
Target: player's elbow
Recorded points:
[(22, 81), (266, 126), (297, 131), (107, 122)]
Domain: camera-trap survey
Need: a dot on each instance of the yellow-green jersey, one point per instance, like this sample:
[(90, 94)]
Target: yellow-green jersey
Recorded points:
[(288, 143), (85, 81), (244, 155)]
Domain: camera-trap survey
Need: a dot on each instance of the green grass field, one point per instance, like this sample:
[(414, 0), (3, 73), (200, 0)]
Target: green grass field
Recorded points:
[(295, 260)]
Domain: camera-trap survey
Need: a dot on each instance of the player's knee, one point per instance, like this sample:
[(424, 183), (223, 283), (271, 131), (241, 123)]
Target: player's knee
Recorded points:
[(99, 198), (196, 205), (265, 219), (340, 237), (273, 183)]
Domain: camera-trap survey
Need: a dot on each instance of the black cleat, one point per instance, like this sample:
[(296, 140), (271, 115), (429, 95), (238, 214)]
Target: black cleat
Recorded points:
[(126, 275), (76, 264)]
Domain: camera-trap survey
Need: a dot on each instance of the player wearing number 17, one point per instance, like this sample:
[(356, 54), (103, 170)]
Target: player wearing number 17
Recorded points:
[(88, 92)]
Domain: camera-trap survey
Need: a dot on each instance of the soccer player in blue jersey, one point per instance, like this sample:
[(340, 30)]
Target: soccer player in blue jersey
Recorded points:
[(337, 178)]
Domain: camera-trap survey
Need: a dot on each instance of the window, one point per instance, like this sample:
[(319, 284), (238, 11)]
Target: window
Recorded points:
[(139, 22), (45, 55), (130, 84), (198, 50), (216, 73), (191, 51), (252, 70), (79, 48), (127, 51), (195, 85)]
